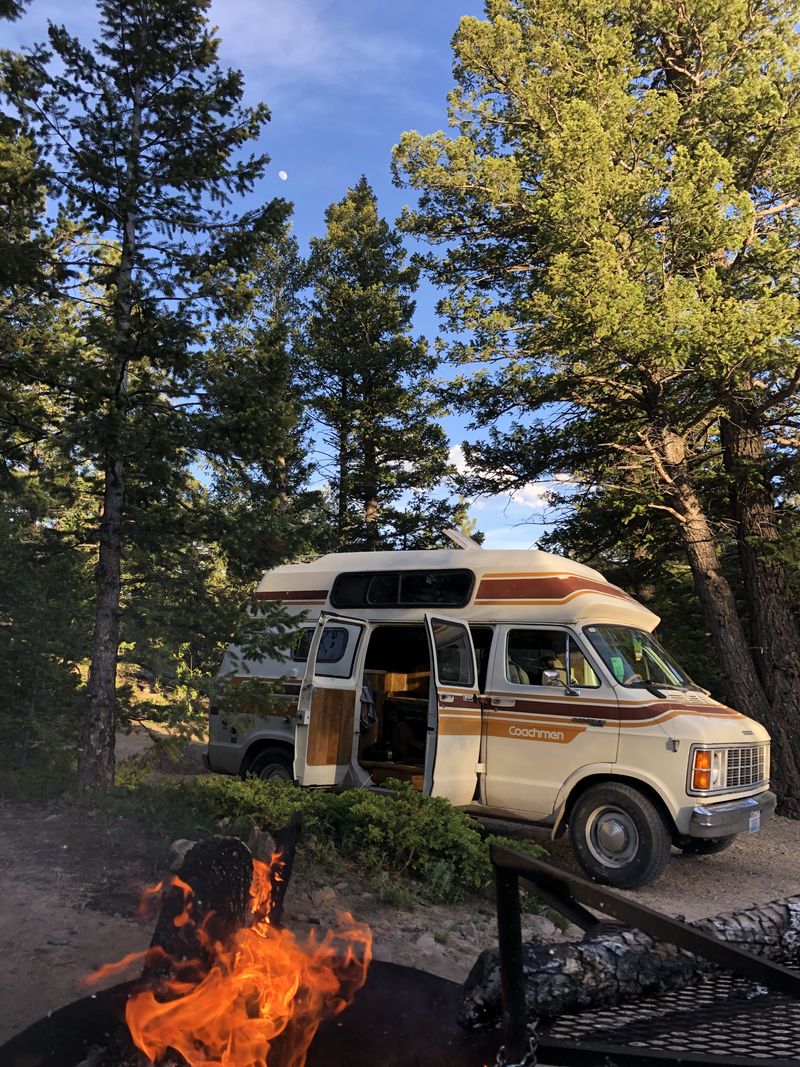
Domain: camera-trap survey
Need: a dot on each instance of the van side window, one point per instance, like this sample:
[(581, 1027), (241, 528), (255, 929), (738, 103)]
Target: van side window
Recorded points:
[(392, 589), (331, 649), (439, 589), (529, 653), (453, 653)]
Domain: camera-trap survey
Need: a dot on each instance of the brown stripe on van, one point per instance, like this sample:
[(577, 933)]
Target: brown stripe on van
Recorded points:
[(311, 595), (458, 726), (562, 708), (292, 688), (552, 587), (639, 712)]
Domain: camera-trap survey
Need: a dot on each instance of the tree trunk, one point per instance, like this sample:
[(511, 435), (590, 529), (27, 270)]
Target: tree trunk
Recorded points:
[(614, 968), (343, 469), (96, 758), (775, 629), (713, 588)]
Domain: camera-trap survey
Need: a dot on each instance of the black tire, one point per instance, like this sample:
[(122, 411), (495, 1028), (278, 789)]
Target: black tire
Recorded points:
[(272, 764), (705, 846), (618, 836)]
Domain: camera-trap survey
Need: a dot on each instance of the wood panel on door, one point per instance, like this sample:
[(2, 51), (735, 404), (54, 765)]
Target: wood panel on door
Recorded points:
[(330, 736)]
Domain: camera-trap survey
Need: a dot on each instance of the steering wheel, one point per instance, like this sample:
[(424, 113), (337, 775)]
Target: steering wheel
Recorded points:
[(632, 678)]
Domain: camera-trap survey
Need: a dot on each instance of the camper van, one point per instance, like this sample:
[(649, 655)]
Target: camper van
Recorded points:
[(517, 684)]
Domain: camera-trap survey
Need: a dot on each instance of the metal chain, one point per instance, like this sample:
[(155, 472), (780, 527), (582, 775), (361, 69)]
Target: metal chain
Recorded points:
[(528, 1060)]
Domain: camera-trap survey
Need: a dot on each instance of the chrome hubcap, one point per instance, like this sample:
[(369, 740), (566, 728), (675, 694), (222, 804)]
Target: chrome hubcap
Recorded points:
[(612, 837)]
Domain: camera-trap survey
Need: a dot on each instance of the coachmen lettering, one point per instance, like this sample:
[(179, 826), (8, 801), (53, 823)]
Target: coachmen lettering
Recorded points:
[(515, 684), (537, 734)]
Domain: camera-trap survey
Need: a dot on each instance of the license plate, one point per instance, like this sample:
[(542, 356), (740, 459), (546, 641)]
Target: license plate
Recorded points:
[(755, 823)]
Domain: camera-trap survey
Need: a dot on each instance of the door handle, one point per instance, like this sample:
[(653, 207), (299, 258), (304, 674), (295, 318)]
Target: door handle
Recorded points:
[(503, 702)]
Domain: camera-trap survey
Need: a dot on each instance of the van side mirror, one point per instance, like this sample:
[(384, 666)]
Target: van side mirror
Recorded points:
[(552, 678)]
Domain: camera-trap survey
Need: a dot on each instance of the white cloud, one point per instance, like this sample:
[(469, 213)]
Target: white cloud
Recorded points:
[(458, 459), (308, 43), (532, 496)]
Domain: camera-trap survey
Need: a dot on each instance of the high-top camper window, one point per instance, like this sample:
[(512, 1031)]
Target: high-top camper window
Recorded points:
[(392, 589)]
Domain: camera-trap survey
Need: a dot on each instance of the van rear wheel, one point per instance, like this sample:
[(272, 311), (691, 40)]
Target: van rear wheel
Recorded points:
[(618, 836), (273, 764)]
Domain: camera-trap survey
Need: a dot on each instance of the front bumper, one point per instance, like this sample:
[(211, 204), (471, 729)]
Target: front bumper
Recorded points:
[(732, 816)]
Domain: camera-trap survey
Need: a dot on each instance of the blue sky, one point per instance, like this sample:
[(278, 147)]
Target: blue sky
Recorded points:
[(344, 79)]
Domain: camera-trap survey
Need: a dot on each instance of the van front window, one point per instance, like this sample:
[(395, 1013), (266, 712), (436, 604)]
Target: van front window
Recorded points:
[(635, 658)]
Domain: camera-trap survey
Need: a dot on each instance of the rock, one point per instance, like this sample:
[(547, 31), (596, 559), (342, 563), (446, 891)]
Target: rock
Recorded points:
[(425, 942), (177, 853), (262, 844), (539, 928), (468, 930), (324, 897)]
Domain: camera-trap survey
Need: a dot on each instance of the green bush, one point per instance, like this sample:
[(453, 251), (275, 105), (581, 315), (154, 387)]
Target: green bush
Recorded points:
[(405, 834)]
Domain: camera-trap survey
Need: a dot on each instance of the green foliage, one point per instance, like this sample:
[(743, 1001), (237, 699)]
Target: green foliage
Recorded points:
[(145, 139), (614, 219), (406, 835), (368, 382)]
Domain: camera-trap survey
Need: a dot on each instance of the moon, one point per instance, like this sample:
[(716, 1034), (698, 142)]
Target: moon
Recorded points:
[(282, 175)]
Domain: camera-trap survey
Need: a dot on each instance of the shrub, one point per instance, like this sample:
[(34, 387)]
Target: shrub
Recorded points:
[(404, 834)]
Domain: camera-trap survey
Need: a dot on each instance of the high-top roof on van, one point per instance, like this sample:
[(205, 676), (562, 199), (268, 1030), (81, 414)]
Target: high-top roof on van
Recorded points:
[(477, 560), (495, 580)]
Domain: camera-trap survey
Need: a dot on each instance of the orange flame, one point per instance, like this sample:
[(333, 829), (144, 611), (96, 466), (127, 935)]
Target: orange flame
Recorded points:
[(264, 990)]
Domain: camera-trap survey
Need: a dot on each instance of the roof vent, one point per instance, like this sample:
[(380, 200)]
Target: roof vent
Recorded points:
[(460, 540)]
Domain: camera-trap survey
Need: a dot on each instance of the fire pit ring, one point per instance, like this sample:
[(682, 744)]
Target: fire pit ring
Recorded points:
[(401, 1018)]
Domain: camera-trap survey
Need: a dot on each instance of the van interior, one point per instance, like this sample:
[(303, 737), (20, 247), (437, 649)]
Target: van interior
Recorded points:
[(397, 677)]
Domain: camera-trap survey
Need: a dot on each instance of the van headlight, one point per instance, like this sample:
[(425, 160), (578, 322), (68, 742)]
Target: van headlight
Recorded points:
[(707, 769)]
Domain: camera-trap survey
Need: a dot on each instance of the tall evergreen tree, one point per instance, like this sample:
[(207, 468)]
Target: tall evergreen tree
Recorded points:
[(40, 641), (252, 425), (619, 211), (368, 384), (145, 134)]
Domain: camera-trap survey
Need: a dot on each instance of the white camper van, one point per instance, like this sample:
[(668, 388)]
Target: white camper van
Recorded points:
[(517, 684)]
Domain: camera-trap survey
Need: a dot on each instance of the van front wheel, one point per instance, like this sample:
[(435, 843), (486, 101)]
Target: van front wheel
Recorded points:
[(618, 836)]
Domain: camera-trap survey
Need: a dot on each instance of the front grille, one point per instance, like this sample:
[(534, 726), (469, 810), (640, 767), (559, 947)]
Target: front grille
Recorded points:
[(745, 766)]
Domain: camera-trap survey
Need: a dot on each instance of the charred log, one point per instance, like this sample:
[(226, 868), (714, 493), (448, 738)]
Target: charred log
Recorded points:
[(622, 964), (208, 903), (284, 848)]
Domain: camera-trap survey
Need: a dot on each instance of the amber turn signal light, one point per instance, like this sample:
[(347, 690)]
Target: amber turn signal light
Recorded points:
[(701, 777)]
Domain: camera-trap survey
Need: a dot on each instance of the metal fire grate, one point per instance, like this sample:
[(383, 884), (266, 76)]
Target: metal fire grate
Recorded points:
[(719, 1018), (747, 1014), (745, 766)]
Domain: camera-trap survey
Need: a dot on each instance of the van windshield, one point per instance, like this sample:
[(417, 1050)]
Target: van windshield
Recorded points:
[(636, 659)]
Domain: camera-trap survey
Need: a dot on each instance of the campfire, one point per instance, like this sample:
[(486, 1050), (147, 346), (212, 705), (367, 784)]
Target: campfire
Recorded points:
[(223, 983)]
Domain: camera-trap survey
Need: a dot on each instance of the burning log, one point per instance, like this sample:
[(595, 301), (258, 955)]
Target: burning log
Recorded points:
[(622, 964), (206, 904), (222, 981)]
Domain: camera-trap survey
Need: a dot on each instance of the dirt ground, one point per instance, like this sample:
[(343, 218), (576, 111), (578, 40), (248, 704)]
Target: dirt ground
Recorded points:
[(70, 882)]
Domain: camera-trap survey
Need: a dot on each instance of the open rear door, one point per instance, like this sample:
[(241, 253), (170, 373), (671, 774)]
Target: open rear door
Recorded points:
[(458, 710), (329, 701)]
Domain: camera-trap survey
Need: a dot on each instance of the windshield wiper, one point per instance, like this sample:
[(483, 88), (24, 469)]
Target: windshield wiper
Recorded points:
[(649, 686)]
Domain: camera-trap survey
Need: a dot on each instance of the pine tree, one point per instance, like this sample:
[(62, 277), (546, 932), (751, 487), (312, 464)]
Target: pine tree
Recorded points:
[(368, 384), (252, 425), (618, 207), (145, 135)]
